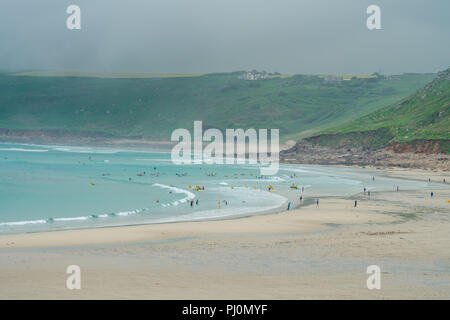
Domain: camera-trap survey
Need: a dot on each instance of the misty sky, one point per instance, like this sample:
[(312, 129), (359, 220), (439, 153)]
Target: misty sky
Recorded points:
[(200, 36)]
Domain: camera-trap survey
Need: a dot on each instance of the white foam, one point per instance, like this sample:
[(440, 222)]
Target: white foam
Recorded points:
[(189, 195), (227, 212), (93, 150), (126, 213), (23, 150), (20, 223), (71, 219)]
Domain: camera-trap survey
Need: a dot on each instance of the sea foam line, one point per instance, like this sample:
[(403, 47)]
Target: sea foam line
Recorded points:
[(70, 219), (189, 195), (23, 150), (20, 223)]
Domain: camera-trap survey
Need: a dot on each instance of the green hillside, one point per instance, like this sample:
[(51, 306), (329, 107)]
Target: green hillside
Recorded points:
[(424, 115), (298, 105)]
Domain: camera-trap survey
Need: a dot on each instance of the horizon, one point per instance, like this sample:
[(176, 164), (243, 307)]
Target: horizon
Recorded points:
[(124, 74)]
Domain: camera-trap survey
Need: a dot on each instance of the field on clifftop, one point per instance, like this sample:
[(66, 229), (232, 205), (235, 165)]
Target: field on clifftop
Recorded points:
[(298, 105)]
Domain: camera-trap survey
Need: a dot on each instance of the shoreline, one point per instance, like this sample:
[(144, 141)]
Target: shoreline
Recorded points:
[(308, 253), (165, 230)]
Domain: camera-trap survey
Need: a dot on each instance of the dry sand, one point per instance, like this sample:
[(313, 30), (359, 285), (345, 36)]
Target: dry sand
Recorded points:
[(307, 253)]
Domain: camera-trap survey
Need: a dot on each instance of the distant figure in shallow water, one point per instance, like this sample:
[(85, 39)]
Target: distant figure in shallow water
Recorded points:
[(289, 206)]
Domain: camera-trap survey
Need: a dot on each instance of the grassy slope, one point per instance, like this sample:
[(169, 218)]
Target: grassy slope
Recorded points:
[(297, 105), (423, 115)]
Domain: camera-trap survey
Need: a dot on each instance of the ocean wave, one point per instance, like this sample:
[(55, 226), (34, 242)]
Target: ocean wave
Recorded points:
[(127, 213), (85, 150), (228, 212), (23, 150), (189, 195), (72, 219), (21, 223)]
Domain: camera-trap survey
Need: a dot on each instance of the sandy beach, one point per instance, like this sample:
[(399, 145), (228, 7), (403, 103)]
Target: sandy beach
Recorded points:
[(311, 252)]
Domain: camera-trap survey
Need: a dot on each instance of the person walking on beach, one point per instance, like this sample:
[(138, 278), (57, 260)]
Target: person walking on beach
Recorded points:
[(368, 193), (192, 203), (364, 190), (289, 206), (196, 202), (356, 203), (397, 188), (317, 202), (432, 194)]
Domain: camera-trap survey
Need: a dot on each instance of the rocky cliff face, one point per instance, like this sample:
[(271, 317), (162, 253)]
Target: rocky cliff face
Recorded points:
[(423, 154), (420, 146)]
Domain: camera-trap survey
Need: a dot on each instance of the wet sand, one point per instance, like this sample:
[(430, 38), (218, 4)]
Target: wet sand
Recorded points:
[(307, 253)]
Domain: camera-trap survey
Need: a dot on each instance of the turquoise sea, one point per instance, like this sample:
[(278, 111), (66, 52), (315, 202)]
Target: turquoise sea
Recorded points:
[(45, 188)]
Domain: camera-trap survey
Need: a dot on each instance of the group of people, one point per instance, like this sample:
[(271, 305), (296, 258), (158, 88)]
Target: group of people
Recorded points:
[(197, 188), (225, 202), (192, 203)]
